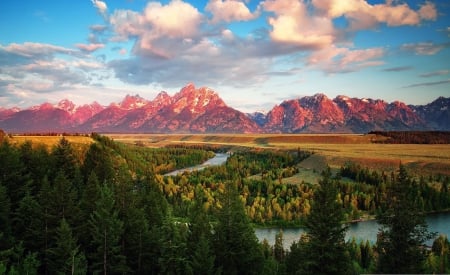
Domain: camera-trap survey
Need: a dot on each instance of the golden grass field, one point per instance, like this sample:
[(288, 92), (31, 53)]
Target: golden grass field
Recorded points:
[(332, 149), (329, 149), (51, 141)]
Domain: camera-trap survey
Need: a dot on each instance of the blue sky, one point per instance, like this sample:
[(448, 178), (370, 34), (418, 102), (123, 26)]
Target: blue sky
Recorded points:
[(255, 54)]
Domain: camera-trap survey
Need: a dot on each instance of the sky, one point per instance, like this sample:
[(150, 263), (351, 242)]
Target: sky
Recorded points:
[(254, 54)]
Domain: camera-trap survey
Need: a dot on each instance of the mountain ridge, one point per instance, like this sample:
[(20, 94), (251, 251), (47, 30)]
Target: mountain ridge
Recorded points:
[(201, 110)]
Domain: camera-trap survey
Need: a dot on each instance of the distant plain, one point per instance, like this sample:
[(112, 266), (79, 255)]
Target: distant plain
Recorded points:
[(329, 149)]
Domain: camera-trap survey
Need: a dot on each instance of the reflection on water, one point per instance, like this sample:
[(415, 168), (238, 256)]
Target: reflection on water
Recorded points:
[(361, 231)]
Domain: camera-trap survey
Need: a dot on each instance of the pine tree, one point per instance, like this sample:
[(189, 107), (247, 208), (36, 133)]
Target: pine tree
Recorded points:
[(106, 232), (137, 240), (13, 175), (236, 246), (278, 248), (66, 257), (326, 251), (403, 230), (6, 237), (28, 224), (99, 161), (173, 258), (62, 199), (64, 159), (202, 255)]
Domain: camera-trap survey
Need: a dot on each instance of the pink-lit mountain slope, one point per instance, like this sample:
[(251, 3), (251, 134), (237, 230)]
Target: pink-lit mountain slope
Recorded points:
[(201, 110)]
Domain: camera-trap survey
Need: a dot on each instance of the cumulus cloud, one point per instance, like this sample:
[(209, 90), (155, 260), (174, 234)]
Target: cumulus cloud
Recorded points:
[(101, 7), (177, 19), (293, 23), (229, 11), (90, 47), (363, 15), (126, 24), (428, 11)]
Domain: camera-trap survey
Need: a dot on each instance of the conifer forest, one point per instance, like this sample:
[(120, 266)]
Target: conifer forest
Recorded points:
[(110, 208)]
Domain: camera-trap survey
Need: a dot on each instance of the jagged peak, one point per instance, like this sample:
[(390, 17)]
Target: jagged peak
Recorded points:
[(320, 96), (130, 102), (343, 98), (66, 105)]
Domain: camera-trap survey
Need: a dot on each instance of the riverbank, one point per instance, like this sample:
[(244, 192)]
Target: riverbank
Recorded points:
[(361, 231)]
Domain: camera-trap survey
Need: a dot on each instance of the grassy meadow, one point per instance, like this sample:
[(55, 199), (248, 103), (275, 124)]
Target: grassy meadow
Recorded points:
[(329, 149)]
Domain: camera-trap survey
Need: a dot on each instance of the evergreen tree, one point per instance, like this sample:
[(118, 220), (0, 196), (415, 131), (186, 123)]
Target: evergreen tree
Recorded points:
[(137, 240), (46, 219), (201, 253), (278, 249), (89, 196), (106, 232), (13, 175), (326, 251), (28, 224), (441, 250), (236, 246), (66, 257), (64, 159), (403, 230), (174, 258), (62, 199), (99, 161), (6, 237)]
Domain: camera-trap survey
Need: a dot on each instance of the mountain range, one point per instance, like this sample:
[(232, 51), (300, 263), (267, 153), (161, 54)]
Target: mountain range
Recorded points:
[(201, 110)]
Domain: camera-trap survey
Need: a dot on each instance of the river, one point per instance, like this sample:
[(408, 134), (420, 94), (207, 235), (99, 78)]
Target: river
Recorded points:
[(366, 230), (218, 159)]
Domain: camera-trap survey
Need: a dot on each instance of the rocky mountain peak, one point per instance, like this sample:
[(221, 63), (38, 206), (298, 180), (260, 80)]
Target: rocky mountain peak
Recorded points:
[(66, 105), (196, 100), (201, 110), (133, 102)]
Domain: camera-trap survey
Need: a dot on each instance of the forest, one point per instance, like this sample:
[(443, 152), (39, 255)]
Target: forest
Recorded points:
[(109, 209), (413, 137)]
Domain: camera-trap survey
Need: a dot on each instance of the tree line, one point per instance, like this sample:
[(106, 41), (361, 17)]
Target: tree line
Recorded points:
[(413, 137)]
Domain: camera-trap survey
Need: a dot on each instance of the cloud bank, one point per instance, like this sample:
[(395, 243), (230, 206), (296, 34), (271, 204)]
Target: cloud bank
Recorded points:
[(176, 43)]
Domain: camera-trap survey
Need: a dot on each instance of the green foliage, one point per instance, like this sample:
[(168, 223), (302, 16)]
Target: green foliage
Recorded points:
[(66, 257), (326, 251), (235, 253), (57, 206), (403, 229), (106, 232)]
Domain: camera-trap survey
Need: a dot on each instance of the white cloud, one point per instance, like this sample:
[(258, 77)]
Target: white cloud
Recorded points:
[(428, 11), (294, 24), (90, 47), (101, 6), (34, 50), (363, 15), (126, 24), (229, 11), (175, 20), (336, 60)]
